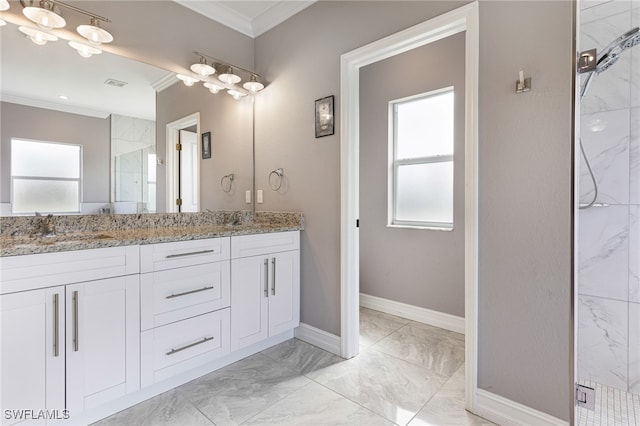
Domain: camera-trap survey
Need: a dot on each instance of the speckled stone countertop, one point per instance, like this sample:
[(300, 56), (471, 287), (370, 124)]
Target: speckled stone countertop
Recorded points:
[(21, 235)]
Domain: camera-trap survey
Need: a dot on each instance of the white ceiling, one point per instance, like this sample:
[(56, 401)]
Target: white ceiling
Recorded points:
[(251, 18)]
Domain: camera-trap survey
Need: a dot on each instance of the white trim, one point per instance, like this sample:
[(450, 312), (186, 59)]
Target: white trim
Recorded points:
[(320, 338), (462, 19), (503, 411), (171, 161), (277, 14), (55, 106), (165, 82), (414, 313)]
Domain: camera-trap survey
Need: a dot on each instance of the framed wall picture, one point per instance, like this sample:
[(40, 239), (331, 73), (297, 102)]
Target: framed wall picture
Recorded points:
[(324, 117), (206, 145)]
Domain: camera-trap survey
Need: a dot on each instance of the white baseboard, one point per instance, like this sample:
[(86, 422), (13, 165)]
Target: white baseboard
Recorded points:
[(503, 411), (320, 338), (414, 313)]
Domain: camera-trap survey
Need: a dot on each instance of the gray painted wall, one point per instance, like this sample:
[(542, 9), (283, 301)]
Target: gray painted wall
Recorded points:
[(525, 175), (231, 125), (19, 121), (420, 267)]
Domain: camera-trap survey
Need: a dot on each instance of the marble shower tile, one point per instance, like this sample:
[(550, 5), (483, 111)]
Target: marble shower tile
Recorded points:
[(603, 252), (376, 325), (123, 126), (446, 408), (166, 409), (635, 59), (429, 349), (634, 155), (605, 137), (390, 387), (236, 393), (316, 405), (634, 254), (603, 341), (595, 10), (634, 349), (301, 356)]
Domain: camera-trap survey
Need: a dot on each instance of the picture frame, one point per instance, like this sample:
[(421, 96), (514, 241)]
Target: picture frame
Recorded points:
[(324, 117), (206, 145)]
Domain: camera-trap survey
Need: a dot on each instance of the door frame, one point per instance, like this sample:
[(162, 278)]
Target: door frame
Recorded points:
[(172, 181), (464, 19)]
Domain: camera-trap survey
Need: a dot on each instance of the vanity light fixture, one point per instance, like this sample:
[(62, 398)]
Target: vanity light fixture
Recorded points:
[(46, 15), (202, 68), (188, 81), (213, 88), (253, 85), (236, 95), (85, 50), (229, 77), (38, 37), (4, 5), (94, 33), (2, 23)]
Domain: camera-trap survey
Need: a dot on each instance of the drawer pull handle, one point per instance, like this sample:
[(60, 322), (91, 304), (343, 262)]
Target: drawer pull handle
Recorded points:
[(266, 278), (175, 351), (74, 299), (193, 253), (171, 296), (273, 276), (56, 326)]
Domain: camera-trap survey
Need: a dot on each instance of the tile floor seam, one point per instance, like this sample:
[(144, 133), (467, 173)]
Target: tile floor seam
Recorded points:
[(276, 402), (357, 403), (188, 401)]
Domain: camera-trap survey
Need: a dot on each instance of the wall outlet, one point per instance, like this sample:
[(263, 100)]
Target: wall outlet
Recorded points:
[(247, 197), (259, 196)]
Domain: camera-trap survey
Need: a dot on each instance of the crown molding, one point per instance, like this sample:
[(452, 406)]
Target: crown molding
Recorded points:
[(262, 23), (56, 106), (165, 82)]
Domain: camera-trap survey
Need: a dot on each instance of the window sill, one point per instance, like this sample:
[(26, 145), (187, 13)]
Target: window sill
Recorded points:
[(425, 227)]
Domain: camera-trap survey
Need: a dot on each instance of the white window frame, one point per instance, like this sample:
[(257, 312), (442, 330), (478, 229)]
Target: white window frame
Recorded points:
[(395, 163), (33, 177)]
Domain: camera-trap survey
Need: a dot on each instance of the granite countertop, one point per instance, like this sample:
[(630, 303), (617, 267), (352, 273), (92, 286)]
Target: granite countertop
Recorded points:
[(122, 231)]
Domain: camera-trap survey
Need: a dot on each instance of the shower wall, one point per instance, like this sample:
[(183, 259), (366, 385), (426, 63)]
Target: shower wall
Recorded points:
[(609, 236)]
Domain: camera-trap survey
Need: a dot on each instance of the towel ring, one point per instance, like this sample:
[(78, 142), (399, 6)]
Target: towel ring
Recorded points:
[(279, 173), (223, 182)]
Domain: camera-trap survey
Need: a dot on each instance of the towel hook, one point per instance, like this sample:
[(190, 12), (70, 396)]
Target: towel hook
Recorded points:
[(223, 182), (279, 173)]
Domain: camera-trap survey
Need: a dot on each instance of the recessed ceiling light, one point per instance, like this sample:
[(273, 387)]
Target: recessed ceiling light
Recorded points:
[(63, 97)]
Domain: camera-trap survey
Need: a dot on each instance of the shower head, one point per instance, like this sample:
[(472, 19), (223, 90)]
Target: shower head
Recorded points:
[(611, 53)]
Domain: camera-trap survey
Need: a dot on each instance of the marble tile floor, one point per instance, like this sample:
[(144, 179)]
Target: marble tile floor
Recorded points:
[(613, 407), (407, 373)]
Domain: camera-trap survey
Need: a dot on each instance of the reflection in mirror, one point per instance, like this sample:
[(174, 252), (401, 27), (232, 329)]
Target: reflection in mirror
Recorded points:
[(103, 103)]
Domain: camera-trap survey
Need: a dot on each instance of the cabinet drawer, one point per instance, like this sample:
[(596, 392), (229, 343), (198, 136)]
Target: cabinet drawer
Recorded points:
[(181, 346), (20, 273), (158, 257), (177, 294), (259, 244)]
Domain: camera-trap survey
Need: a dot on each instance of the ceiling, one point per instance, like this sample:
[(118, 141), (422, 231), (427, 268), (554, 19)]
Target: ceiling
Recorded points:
[(251, 18)]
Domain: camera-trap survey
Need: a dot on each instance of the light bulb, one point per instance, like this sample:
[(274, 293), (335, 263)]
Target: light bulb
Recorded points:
[(229, 77), (84, 50), (45, 18), (93, 33), (38, 37), (188, 81), (4, 5), (236, 95), (202, 68), (213, 88), (253, 85), (2, 23)]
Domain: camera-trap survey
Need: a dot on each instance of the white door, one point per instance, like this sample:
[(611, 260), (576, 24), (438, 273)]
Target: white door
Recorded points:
[(32, 351), (284, 292), (249, 300), (100, 318), (189, 184)]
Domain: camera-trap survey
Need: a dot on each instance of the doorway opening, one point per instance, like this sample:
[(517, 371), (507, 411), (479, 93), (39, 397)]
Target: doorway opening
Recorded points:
[(464, 19), (183, 165)]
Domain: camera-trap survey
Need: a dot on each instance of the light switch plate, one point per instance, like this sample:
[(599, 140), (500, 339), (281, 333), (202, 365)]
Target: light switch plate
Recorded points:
[(259, 196), (247, 197)]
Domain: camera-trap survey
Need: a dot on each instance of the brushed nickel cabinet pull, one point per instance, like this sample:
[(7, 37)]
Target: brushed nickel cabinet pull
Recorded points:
[(171, 296), (266, 278), (56, 326), (175, 351), (193, 253), (273, 276), (75, 321)]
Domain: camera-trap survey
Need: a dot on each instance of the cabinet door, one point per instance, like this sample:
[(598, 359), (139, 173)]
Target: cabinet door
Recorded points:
[(32, 351), (284, 294), (249, 298), (103, 334)]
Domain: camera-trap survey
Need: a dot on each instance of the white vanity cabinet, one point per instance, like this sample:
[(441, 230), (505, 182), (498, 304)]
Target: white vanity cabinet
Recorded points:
[(185, 298), (265, 286), (70, 325)]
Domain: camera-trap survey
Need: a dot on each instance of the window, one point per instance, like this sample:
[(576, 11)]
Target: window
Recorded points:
[(45, 177), (421, 160)]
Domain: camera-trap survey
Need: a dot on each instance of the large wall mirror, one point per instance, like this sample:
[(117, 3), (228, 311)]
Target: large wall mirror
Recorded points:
[(117, 110)]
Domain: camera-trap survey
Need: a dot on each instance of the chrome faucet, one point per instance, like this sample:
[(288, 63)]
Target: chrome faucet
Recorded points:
[(236, 218)]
